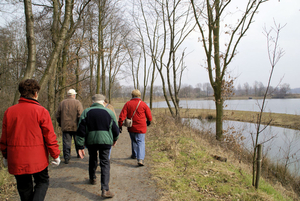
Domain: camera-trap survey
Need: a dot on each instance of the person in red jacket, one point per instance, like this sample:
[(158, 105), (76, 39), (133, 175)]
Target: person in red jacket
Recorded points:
[(140, 113), (27, 140)]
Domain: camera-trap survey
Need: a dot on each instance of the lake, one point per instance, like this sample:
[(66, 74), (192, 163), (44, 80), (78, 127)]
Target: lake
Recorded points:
[(285, 142), (286, 106)]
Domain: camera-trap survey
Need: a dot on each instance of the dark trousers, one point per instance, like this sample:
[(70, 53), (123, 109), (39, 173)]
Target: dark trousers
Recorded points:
[(25, 186), (104, 164), (67, 143)]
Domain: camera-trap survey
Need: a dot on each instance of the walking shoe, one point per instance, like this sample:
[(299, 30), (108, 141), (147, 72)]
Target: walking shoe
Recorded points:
[(67, 161), (93, 181), (133, 157), (107, 194), (140, 162)]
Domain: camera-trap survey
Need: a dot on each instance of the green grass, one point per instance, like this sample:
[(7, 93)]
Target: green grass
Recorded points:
[(182, 165)]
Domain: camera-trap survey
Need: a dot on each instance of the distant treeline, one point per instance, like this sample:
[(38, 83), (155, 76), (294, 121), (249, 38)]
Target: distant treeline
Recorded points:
[(205, 90), (257, 89)]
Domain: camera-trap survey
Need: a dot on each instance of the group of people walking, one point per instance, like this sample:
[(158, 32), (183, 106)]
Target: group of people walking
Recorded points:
[(28, 137)]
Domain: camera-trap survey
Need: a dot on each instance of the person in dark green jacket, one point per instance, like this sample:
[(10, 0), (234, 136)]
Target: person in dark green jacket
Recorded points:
[(98, 130)]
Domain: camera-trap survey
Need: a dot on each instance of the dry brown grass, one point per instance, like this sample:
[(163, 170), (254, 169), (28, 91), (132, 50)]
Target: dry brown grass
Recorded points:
[(8, 186), (181, 155), (277, 119), (183, 163)]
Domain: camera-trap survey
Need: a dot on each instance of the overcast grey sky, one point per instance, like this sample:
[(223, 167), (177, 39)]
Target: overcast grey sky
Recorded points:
[(251, 63)]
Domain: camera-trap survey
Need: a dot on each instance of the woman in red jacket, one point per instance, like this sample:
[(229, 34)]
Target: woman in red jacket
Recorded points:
[(140, 113), (27, 139)]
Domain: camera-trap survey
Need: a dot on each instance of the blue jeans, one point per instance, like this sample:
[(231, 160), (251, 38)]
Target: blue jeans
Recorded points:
[(138, 145)]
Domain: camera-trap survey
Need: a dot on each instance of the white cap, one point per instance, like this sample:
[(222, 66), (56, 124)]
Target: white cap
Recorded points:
[(71, 92)]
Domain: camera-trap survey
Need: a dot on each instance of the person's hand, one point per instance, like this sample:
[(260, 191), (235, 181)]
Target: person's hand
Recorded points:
[(55, 162), (5, 162), (120, 129), (114, 144), (148, 123), (81, 153)]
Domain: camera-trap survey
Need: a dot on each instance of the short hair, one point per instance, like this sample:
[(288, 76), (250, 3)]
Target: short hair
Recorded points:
[(28, 88), (136, 93), (98, 97)]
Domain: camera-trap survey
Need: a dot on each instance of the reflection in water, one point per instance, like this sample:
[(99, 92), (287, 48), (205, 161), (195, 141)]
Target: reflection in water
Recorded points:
[(281, 144)]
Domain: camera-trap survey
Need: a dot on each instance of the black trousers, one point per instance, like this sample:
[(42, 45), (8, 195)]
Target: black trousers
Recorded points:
[(67, 143), (104, 164), (25, 187)]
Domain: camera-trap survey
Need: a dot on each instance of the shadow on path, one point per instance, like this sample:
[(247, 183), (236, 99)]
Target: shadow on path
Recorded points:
[(128, 181)]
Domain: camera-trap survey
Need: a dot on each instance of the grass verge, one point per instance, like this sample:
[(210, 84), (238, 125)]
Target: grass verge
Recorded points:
[(183, 165), (8, 186)]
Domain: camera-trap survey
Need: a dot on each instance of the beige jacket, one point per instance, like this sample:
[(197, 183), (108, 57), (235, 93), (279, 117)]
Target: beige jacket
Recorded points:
[(109, 106), (68, 114)]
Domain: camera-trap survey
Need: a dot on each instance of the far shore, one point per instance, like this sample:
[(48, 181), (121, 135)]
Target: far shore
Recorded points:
[(275, 119)]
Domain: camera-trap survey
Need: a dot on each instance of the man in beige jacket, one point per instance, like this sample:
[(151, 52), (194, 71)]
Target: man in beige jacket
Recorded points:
[(67, 116)]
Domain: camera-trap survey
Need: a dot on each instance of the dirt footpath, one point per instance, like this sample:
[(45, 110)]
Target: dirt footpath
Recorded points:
[(128, 181)]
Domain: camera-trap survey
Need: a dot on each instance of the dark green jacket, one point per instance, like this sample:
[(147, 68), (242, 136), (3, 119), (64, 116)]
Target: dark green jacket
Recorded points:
[(97, 125)]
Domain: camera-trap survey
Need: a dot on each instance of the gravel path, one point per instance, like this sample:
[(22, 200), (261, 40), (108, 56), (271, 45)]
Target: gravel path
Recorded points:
[(128, 181)]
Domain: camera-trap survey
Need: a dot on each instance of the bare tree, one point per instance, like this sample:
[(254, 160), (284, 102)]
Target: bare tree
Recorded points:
[(147, 39), (274, 53), (117, 55), (208, 15), (172, 24), (246, 88), (106, 15), (31, 46)]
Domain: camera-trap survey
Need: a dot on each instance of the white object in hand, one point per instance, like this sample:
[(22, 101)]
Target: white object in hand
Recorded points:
[(55, 162)]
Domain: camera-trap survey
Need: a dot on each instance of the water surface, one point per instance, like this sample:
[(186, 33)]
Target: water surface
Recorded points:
[(279, 144), (285, 106)]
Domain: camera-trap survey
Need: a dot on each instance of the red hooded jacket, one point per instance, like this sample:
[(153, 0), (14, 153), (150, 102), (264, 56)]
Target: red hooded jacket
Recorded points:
[(141, 116), (27, 137)]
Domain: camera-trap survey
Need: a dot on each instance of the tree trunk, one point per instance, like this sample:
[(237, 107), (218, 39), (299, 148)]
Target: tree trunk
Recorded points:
[(77, 70), (59, 44), (102, 65), (63, 72), (91, 58), (219, 118), (151, 86), (31, 45), (51, 95), (99, 49)]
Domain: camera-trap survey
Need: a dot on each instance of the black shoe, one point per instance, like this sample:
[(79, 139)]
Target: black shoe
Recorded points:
[(132, 157), (93, 181), (67, 161), (107, 194)]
